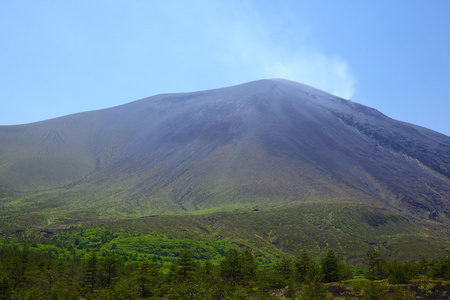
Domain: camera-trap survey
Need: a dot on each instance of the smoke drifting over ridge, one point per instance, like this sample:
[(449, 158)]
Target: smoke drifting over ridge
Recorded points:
[(256, 48)]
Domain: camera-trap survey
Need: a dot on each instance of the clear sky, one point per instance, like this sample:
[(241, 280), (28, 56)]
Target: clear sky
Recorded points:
[(63, 57)]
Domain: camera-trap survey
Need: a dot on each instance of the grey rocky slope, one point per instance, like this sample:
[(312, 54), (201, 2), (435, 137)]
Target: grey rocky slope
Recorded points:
[(259, 144)]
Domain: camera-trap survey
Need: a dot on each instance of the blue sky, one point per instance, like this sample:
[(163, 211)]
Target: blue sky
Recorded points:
[(63, 57)]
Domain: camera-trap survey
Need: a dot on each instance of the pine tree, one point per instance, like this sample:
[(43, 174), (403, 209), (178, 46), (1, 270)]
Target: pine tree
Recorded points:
[(24, 260), (148, 275), (284, 271), (230, 266), (331, 267), (442, 268), (110, 267), (423, 265), (248, 267), (304, 267), (315, 289), (186, 264), (372, 261), (91, 270), (143, 277), (208, 268)]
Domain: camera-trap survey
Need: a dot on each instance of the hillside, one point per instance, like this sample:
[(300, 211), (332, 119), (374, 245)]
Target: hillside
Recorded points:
[(264, 143)]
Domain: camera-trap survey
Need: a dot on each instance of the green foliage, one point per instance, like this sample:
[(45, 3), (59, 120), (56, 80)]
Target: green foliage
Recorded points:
[(28, 272), (270, 231), (305, 268), (231, 267), (110, 267), (441, 270), (401, 273), (147, 276), (373, 263), (185, 264), (190, 255), (333, 268), (5, 288), (248, 267), (91, 270), (423, 265), (290, 292), (315, 289), (238, 268), (373, 291), (284, 272)]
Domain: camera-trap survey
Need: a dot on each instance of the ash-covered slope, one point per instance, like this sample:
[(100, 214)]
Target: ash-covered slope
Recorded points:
[(263, 143)]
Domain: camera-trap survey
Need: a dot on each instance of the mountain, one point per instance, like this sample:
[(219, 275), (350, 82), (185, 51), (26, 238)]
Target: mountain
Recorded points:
[(256, 146)]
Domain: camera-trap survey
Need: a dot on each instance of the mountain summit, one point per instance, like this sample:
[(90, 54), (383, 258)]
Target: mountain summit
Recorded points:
[(258, 145)]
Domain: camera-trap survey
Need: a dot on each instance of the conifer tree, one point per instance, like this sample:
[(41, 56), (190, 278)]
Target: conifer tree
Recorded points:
[(230, 266), (91, 270), (24, 260), (143, 277), (284, 270), (186, 264), (314, 289), (331, 267), (372, 261), (208, 268), (110, 267), (441, 269), (304, 267), (248, 267)]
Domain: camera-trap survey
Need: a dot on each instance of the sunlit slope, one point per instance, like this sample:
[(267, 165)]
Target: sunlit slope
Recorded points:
[(46, 154), (261, 144)]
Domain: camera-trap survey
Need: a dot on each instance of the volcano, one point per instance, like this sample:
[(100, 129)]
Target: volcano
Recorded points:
[(258, 145)]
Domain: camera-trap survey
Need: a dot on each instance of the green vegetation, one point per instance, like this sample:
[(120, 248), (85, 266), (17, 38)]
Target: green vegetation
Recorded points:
[(351, 229), (299, 250), (131, 245), (75, 264)]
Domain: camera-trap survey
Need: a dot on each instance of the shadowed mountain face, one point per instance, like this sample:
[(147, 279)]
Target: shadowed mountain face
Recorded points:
[(261, 144)]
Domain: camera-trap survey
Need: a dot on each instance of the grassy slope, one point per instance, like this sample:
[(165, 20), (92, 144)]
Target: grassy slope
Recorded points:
[(241, 175), (349, 228)]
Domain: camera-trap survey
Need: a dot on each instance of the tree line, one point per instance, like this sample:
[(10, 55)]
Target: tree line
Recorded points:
[(29, 274)]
